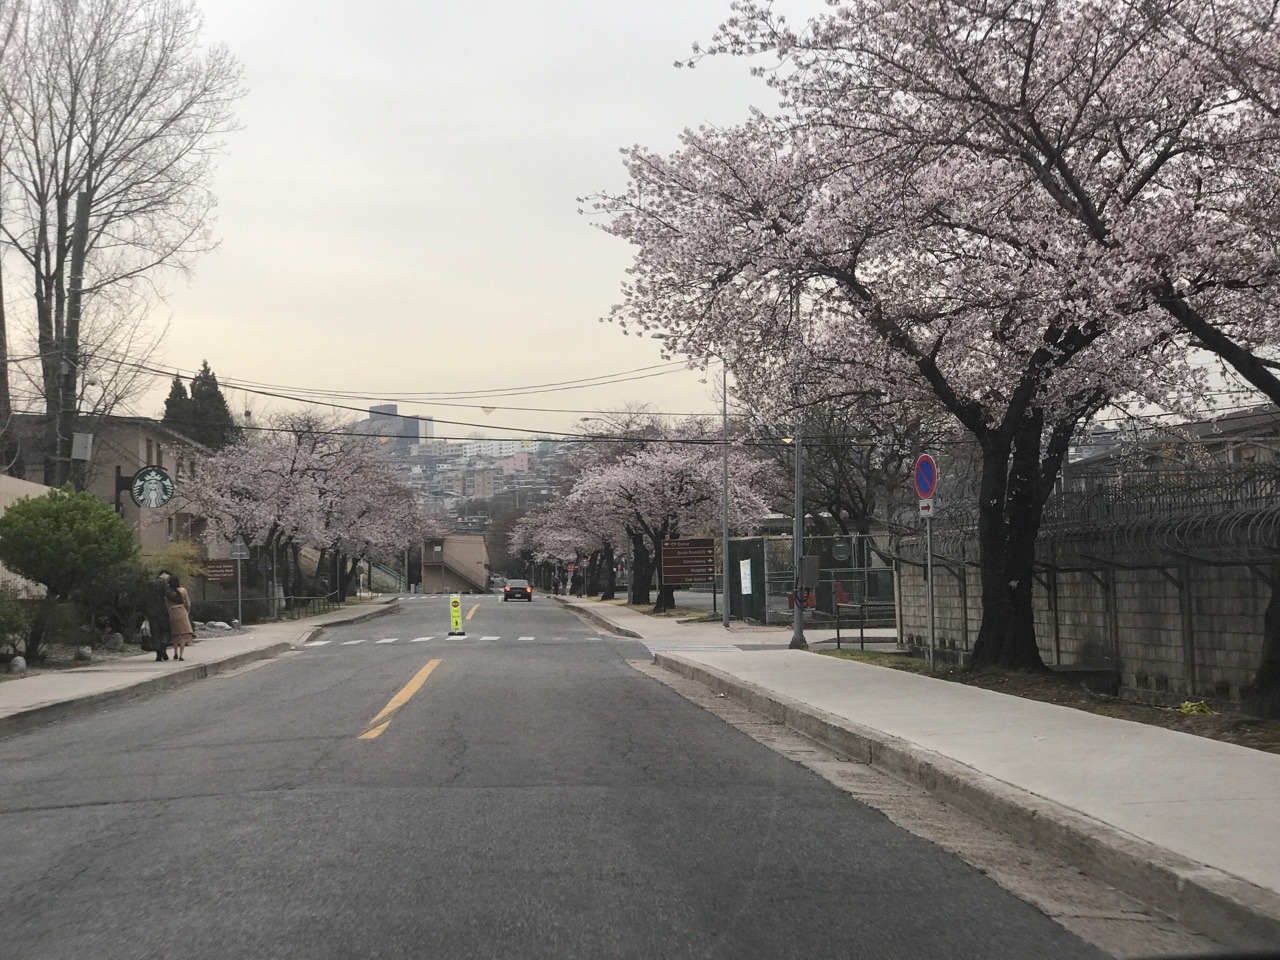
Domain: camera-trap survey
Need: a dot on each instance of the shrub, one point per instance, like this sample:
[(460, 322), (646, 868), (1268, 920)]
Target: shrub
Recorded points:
[(62, 539)]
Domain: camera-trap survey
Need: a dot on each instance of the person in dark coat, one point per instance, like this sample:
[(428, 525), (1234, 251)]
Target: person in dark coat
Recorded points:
[(156, 608)]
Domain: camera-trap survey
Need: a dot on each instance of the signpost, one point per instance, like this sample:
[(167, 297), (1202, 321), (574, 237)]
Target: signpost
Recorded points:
[(239, 553), (685, 562), (455, 616), (925, 476)]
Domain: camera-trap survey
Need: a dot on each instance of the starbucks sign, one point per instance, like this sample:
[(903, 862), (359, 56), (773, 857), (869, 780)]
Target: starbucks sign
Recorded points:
[(151, 487)]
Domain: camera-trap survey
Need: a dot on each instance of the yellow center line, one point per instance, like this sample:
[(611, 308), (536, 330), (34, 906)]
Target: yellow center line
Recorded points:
[(376, 725), (472, 612)]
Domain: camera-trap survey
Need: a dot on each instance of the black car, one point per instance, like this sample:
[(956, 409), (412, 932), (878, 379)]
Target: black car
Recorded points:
[(517, 590)]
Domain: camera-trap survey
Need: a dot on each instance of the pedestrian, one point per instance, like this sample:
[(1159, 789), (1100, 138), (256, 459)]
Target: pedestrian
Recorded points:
[(155, 606), (555, 585), (577, 585), (179, 616)]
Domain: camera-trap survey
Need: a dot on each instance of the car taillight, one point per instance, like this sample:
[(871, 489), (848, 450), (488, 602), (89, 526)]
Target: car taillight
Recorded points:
[(506, 589)]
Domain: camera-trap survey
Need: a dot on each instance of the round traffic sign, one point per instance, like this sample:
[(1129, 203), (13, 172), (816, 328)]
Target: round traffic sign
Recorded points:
[(925, 476)]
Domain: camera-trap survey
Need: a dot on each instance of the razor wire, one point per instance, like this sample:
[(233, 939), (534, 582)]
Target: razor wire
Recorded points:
[(1227, 515)]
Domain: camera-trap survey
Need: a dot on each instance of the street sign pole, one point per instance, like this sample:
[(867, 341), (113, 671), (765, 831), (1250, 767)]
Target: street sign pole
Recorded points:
[(239, 553), (925, 476), (928, 549)]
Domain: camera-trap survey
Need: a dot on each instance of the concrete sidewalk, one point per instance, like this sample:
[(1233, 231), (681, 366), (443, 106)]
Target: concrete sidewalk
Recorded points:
[(31, 701), (1189, 825)]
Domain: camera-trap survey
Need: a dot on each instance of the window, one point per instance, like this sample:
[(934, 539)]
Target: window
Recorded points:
[(150, 453), (159, 456)]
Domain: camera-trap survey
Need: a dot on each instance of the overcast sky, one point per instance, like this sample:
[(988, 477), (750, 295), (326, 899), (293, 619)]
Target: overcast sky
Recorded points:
[(399, 212)]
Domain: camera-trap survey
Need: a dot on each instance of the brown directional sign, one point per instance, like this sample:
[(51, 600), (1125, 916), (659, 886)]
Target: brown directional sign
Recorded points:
[(688, 561), (223, 571)]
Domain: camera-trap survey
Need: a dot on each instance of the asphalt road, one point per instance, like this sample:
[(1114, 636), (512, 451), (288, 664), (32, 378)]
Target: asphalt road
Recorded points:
[(531, 796)]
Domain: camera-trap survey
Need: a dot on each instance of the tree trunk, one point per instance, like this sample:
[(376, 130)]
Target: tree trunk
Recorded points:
[(1010, 506), (641, 570), (39, 626), (1263, 696), (320, 562), (592, 581), (346, 569), (666, 595), (610, 590)]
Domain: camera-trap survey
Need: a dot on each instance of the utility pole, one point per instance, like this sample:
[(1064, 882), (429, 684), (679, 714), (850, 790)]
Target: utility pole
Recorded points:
[(64, 432), (798, 641), (724, 479)]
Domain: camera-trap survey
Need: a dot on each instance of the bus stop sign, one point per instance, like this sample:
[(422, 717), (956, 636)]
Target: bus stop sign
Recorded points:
[(925, 476)]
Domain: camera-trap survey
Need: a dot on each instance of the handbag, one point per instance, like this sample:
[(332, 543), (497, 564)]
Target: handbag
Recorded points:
[(144, 634)]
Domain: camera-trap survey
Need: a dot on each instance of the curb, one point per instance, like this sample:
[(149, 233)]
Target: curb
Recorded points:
[(26, 720), (1233, 911), (382, 611), (600, 620), (29, 719)]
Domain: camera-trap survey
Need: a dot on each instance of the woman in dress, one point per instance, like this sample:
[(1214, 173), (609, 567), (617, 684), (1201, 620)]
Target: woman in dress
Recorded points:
[(179, 617)]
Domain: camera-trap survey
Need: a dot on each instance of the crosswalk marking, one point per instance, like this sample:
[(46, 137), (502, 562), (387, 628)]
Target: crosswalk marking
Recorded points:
[(692, 647)]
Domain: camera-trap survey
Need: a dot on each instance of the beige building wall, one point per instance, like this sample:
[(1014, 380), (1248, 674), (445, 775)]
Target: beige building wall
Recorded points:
[(124, 445), (459, 563)]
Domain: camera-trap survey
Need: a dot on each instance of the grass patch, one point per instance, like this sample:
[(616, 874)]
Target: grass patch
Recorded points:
[(672, 613), (1065, 691), (895, 661)]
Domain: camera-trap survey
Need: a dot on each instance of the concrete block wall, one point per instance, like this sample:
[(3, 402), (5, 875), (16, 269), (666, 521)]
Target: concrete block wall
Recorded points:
[(1206, 644)]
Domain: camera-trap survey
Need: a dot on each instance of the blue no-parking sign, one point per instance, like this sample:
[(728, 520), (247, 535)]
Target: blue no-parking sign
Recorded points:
[(925, 476)]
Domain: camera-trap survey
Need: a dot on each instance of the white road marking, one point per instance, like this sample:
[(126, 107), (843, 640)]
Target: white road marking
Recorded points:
[(490, 638), (421, 639), (518, 639), (316, 643), (389, 640), (350, 643)]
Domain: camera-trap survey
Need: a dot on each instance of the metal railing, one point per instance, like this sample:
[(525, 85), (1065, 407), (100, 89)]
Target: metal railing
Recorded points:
[(262, 609), (880, 610)]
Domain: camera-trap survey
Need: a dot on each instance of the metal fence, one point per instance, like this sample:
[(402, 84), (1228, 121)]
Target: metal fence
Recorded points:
[(852, 570), (258, 609)]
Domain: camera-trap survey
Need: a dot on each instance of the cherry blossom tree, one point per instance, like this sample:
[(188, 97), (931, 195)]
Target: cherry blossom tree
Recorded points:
[(646, 483), (1014, 212), (570, 529), (309, 488), (673, 489), (1137, 142)]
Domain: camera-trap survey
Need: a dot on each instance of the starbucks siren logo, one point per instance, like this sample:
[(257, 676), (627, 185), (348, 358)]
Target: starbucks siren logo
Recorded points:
[(151, 487)]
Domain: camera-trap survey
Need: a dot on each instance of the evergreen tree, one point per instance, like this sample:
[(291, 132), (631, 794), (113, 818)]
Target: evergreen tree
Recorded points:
[(177, 408), (211, 422)]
